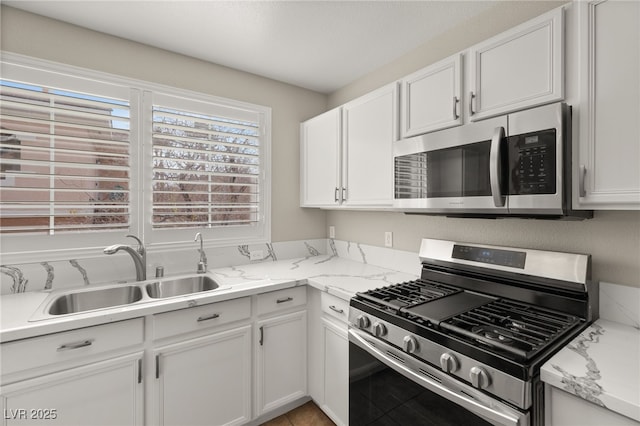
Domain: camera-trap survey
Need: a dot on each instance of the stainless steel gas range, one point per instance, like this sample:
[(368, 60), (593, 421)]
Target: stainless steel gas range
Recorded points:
[(463, 344)]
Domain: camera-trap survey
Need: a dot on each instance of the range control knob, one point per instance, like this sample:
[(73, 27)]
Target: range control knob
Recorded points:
[(362, 321), (479, 378), (379, 330), (409, 344), (449, 363)]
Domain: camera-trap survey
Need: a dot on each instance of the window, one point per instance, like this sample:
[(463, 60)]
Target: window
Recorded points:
[(84, 155), (206, 169), (65, 160)]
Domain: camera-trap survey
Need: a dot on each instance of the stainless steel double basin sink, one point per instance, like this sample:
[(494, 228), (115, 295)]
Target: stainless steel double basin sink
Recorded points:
[(87, 299)]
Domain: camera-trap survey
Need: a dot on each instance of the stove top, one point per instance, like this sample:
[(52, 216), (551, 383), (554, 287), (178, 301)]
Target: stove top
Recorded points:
[(495, 324)]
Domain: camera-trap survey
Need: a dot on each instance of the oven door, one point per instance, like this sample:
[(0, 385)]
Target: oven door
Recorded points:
[(390, 387), (460, 170)]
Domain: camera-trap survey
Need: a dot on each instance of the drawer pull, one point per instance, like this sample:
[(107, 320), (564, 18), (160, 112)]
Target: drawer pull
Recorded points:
[(284, 299), (333, 308), (76, 345), (208, 317)]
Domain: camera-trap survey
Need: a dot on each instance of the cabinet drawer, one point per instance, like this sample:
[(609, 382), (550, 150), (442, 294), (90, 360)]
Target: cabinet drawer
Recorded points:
[(201, 317), (335, 306), (70, 345), (281, 299)]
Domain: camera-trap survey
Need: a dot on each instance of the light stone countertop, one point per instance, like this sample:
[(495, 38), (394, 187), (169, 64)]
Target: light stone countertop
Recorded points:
[(601, 365), (335, 275)]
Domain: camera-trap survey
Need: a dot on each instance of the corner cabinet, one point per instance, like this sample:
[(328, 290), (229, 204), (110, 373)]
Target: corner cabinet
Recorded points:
[(347, 153), (609, 121), (320, 156), (430, 99), (519, 68)]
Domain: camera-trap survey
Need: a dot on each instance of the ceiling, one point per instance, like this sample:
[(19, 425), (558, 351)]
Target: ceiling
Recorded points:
[(318, 45)]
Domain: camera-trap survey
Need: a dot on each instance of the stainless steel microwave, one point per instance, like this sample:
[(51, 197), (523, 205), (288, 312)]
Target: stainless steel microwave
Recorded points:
[(513, 165)]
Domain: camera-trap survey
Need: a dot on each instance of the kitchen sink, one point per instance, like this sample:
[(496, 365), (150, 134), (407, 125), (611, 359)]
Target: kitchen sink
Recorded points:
[(180, 286), (95, 299)]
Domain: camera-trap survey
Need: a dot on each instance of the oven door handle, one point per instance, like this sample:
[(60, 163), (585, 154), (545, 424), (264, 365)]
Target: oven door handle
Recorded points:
[(497, 413)]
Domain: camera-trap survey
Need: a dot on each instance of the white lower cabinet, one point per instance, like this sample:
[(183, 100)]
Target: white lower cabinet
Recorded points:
[(329, 355), (206, 380), (102, 393), (336, 371), (281, 360), (89, 376), (201, 365), (564, 409), (281, 348)]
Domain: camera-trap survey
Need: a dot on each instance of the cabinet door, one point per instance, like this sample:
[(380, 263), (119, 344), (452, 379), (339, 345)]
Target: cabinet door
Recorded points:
[(205, 380), (564, 409), (519, 68), (336, 372), (281, 361), (102, 393), (430, 98), (609, 134), (320, 160), (369, 131)]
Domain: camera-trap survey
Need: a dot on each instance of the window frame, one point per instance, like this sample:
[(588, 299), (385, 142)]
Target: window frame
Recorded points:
[(20, 247)]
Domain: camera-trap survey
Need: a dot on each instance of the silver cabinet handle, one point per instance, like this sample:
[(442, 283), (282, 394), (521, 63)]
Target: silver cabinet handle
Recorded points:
[(583, 176), (284, 299), (76, 345), (344, 194), (455, 108), (157, 366), (335, 195), (208, 317), (261, 336), (333, 308), (495, 168), (471, 97)]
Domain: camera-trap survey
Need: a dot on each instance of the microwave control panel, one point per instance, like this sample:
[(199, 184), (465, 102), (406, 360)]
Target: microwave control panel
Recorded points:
[(532, 163)]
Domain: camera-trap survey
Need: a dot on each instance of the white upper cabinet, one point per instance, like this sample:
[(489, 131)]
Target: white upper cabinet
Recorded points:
[(609, 131), (320, 160), (431, 99), (369, 131), (518, 69)]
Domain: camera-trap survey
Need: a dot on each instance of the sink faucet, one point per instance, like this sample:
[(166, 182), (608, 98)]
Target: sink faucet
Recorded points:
[(138, 255), (202, 265)]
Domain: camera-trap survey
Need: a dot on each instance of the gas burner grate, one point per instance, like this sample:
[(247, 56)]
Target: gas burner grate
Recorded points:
[(407, 294), (516, 328)]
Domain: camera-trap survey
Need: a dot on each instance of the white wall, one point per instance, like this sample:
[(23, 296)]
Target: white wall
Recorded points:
[(34, 35), (612, 238)]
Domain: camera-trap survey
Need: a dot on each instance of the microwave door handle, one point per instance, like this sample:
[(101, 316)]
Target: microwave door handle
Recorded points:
[(495, 167)]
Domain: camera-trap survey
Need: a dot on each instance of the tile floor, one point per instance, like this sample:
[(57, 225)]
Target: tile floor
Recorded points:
[(306, 415)]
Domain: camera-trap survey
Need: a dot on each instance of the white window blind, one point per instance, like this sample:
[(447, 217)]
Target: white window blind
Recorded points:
[(206, 168), (64, 160)]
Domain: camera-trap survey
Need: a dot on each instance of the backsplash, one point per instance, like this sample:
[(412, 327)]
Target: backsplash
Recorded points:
[(617, 303), (45, 275)]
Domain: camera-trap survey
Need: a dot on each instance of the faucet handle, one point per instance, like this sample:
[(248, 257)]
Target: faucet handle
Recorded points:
[(140, 248)]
